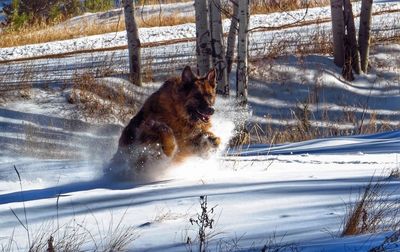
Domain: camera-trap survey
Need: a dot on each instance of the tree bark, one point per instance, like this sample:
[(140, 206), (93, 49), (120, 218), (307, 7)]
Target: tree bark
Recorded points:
[(230, 47), (134, 46), (347, 70), (364, 35), (337, 31), (203, 47), (242, 71), (351, 36), (218, 47)]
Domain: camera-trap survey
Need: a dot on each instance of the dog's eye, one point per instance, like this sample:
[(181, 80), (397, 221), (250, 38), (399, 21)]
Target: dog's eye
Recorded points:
[(208, 98)]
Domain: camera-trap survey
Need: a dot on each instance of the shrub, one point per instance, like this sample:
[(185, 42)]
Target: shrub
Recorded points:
[(20, 13), (205, 223), (97, 5)]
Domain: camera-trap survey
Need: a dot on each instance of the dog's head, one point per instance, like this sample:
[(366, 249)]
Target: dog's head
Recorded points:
[(200, 93)]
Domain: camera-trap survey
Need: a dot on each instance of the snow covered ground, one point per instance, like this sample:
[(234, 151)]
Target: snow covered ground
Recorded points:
[(298, 198), (386, 21), (291, 195)]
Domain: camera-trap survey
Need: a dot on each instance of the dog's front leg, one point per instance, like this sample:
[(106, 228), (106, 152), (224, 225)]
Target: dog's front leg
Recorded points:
[(213, 139), (160, 133), (205, 142)]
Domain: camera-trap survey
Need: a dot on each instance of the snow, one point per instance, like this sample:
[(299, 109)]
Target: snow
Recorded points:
[(292, 193), (266, 193), (188, 31), (363, 144)]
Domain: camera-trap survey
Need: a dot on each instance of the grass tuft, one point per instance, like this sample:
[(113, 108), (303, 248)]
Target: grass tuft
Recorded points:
[(95, 100), (374, 211), (42, 32)]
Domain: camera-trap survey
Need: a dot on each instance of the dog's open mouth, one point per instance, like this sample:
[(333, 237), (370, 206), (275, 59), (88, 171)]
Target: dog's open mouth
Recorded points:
[(202, 116)]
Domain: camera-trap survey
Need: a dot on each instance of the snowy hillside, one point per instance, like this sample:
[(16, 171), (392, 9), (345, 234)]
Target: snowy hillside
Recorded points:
[(298, 199), (290, 195), (62, 110), (387, 15)]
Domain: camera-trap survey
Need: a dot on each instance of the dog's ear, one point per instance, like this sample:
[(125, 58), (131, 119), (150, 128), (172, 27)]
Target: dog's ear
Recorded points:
[(188, 76), (211, 77)]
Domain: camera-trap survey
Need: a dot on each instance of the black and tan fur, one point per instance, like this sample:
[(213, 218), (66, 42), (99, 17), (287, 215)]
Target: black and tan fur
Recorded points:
[(174, 121)]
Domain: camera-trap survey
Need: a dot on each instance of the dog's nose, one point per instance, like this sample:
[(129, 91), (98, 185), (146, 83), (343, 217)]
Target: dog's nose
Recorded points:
[(211, 110)]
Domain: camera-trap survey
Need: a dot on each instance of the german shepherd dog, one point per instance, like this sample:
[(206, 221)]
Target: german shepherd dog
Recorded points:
[(173, 123)]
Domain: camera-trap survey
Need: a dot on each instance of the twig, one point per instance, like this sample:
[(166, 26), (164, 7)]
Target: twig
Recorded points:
[(365, 108), (26, 227)]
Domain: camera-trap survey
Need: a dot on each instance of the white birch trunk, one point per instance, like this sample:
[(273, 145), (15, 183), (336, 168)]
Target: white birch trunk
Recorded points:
[(242, 51), (203, 48), (133, 43), (218, 47), (337, 31), (230, 47), (364, 35)]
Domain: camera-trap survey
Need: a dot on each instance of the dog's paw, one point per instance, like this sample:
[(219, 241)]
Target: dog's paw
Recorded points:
[(208, 142), (214, 141)]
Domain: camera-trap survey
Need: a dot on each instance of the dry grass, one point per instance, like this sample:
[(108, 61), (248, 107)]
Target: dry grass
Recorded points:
[(119, 238), (269, 6), (274, 245), (12, 91), (319, 42), (310, 118), (165, 20), (114, 237), (71, 236), (8, 245), (375, 210), (154, 2), (302, 125), (304, 129), (322, 44), (42, 32), (100, 102)]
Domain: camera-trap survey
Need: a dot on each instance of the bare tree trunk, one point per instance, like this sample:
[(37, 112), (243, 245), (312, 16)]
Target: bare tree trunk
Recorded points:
[(364, 35), (347, 70), (242, 77), (338, 31), (133, 43), (203, 47), (217, 46), (230, 47), (351, 36)]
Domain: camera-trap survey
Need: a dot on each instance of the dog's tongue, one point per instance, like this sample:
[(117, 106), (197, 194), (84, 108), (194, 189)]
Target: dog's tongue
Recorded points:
[(205, 118)]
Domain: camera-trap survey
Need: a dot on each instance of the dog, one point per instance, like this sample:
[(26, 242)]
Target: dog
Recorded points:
[(173, 124)]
